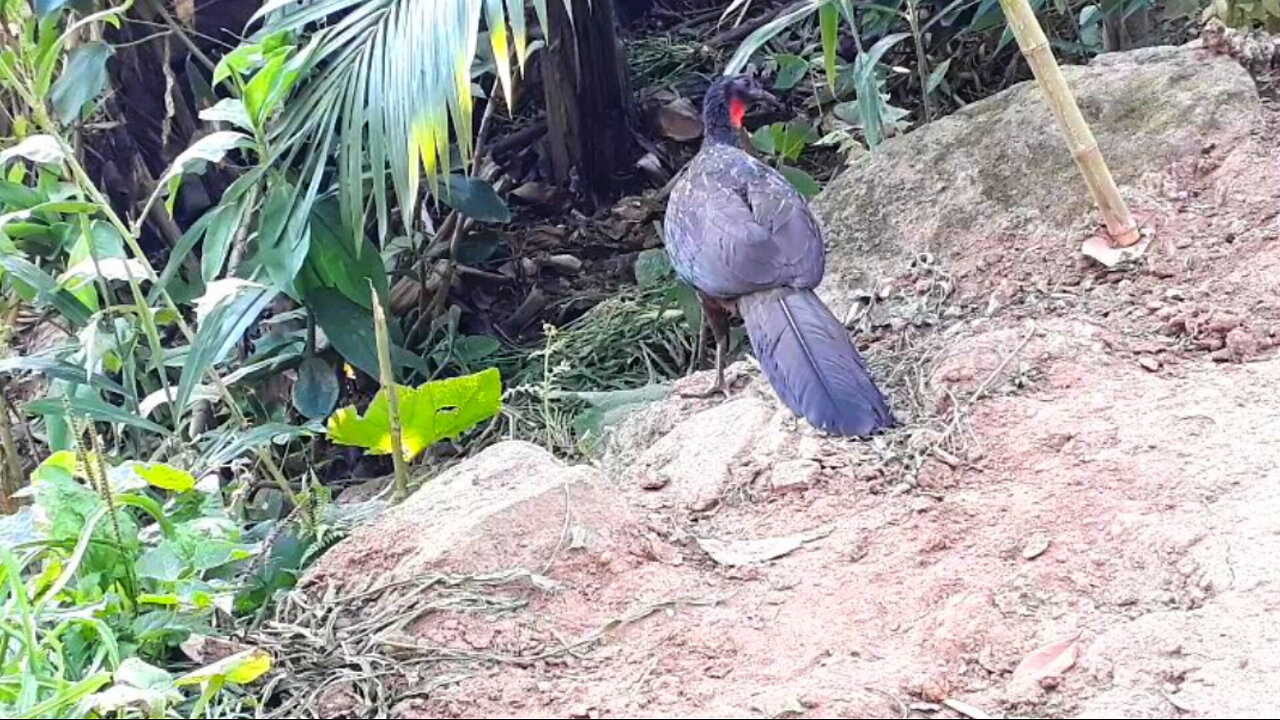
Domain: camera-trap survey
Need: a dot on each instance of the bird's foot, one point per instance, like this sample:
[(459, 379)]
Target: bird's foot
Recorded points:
[(716, 388)]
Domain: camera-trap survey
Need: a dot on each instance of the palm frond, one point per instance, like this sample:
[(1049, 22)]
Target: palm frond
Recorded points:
[(388, 83)]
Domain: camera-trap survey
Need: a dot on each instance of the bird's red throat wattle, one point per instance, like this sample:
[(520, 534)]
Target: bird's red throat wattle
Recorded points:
[(737, 108)]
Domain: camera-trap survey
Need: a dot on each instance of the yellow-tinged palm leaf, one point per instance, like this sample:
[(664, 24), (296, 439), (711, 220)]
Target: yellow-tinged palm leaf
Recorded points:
[(387, 84), (429, 413)]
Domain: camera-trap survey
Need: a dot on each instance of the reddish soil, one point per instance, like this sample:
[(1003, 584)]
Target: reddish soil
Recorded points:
[(1113, 489)]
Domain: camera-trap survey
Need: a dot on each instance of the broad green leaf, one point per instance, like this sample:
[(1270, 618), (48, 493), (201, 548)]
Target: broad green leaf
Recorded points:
[(217, 239), (241, 668), (653, 267), (474, 198), (258, 90), (95, 409), (228, 110), (161, 563), (315, 392), (332, 260), (107, 268), (349, 328), (82, 80), (282, 245), (429, 413), (211, 148), (46, 288), (801, 180), (41, 149), (224, 313), (791, 70), (165, 477), (19, 197)]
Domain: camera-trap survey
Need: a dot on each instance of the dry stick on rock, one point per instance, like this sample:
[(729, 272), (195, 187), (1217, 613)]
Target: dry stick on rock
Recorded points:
[(388, 382), (1121, 229)]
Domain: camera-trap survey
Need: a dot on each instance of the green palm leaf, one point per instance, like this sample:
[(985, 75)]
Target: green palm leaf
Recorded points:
[(388, 83)]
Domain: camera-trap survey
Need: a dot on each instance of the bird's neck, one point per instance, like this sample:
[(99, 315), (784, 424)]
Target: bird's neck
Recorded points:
[(722, 118)]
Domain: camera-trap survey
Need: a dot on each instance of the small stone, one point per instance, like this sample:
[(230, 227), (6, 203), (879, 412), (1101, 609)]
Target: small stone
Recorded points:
[(655, 481), (1036, 547), (1174, 294), (568, 264), (794, 475), (1149, 363)]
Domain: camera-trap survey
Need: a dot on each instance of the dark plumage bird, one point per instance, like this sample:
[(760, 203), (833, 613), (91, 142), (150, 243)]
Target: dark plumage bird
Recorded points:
[(743, 237)]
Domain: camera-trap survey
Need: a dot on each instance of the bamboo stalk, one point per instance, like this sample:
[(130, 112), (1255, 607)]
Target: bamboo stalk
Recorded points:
[(388, 381), (1084, 148)]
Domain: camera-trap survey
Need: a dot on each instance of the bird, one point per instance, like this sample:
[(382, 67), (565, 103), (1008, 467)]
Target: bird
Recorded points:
[(744, 239)]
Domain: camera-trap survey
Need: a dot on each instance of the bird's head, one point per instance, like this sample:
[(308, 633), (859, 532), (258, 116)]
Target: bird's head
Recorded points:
[(743, 92), (728, 100)]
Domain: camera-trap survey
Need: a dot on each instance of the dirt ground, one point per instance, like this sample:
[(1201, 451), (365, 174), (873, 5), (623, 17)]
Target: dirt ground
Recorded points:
[(1080, 518)]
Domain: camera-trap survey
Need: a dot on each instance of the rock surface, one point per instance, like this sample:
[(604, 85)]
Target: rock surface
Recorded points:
[(999, 167)]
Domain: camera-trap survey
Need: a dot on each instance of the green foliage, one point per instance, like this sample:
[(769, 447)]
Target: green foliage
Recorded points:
[(92, 599), (429, 413), (783, 143), (1246, 14)]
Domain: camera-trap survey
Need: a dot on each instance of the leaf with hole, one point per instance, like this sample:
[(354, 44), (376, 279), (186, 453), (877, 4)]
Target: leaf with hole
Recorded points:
[(82, 80), (428, 413), (315, 392)]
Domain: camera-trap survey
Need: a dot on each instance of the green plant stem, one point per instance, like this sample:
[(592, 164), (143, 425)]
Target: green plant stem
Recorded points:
[(12, 477), (96, 465), (388, 381)]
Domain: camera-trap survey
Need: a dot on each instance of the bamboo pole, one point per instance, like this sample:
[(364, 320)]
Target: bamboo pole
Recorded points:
[(1026, 29), (388, 382)]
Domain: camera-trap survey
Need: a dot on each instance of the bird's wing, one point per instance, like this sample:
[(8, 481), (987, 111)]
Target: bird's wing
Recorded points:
[(730, 231), (777, 206)]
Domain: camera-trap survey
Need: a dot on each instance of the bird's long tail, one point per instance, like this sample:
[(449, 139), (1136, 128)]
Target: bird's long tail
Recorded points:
[(807, 356)]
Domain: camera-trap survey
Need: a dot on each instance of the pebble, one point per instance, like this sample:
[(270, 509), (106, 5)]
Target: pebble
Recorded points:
[(1149, 363)]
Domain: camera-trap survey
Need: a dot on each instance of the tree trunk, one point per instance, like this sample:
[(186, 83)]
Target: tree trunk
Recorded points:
[(589, 104)]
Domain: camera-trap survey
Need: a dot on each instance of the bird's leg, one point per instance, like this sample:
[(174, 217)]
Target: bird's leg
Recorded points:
[(718, 319), (700, 347)]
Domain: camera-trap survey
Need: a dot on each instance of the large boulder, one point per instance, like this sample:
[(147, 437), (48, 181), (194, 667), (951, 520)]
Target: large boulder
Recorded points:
[(999, 168), (513, 506)]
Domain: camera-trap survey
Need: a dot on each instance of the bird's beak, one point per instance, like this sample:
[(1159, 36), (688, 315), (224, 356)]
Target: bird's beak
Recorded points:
[(763, 97)]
